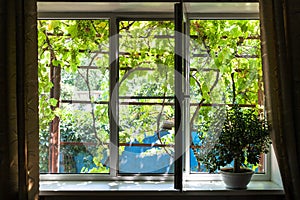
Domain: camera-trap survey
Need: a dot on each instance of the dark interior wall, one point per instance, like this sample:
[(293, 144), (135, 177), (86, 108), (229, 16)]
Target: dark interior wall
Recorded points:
[(8, 134), (280, 35), (3, 103), (292, 31), (271, 197), (293, 39), (31, 124), (9, 155), (288, 32), (152, 1), (164, 196), (19, 170)]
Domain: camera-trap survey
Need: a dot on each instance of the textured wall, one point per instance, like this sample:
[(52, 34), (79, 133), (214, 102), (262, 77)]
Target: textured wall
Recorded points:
[(10, 153), (18, 100), (292, 21), (293, 39), (9, 142), (31, 97), (280, 35), (4, 163)]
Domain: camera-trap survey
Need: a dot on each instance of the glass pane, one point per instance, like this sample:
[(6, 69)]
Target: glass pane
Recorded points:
[(144, 145), (74, 94), (146, 137), (218, 49), (84, 138)]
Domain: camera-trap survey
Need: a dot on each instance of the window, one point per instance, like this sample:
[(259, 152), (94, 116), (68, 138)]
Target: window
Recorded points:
[(107, 89), (74, 100), (218, 49), (146, 93)]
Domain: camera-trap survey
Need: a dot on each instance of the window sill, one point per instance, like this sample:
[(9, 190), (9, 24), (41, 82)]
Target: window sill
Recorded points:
[(56, 188), (257, 186)]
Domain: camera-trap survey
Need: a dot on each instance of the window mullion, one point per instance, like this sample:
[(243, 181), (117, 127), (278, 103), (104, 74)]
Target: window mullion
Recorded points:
[(114, 95), (186, 102), (178, 96)]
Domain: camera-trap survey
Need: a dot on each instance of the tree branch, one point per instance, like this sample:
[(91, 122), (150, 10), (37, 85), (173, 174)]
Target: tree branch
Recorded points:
[(86, 79), (233, 88)]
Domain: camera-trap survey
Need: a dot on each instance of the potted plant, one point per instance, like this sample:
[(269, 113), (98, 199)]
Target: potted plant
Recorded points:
[(238, 137)]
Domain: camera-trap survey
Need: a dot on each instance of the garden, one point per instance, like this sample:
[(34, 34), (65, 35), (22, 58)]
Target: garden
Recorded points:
[(76, 88)]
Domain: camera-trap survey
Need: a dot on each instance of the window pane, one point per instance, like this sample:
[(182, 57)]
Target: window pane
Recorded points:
[(146, 136), (74, 94), (218, 49), (84, 137), (141, 148)]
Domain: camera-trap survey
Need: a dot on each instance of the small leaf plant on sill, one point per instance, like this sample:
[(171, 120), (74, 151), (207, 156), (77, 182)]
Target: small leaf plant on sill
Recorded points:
[(239, 136)]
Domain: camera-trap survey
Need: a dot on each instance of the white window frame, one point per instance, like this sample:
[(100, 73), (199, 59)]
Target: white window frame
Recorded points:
[(112, 17)]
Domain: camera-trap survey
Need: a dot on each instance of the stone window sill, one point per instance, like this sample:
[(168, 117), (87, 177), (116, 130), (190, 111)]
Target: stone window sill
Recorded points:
[(56, 188)]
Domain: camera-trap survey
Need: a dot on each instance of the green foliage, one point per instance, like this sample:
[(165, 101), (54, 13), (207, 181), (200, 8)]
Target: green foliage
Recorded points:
[(240, 135), (70, 133), (227, 46), (76, 128), (65, 43), (43, 150), (68, 44), (146, 70), (149, 61), (146, 64)]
